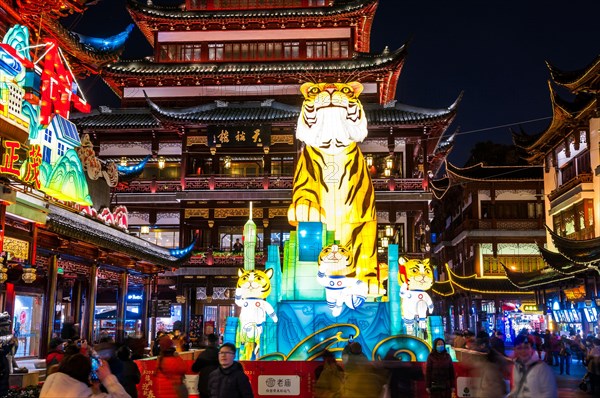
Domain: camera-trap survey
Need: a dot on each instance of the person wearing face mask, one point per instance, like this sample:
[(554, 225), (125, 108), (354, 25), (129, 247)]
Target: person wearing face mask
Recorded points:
[(439, 374)]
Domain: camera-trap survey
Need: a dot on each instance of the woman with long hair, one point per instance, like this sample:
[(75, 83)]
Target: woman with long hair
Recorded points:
[(439, 374)]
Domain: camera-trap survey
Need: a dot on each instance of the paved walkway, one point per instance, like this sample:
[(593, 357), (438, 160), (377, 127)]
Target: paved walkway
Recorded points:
[(568, 385)]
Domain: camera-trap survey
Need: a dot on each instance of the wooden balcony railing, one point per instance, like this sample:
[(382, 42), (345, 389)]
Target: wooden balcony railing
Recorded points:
[(572, 183), (270, 182), (493, 224)]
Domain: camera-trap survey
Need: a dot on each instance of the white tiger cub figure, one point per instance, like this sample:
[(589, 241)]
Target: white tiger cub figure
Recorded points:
[(252, 289), (416, 277), (336, 271), (332, 183)]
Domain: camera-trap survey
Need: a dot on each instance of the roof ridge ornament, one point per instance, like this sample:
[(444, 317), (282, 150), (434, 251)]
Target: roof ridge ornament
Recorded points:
[(390, 104), (104, 109), (386, 51), (221, 104), (267, 102)]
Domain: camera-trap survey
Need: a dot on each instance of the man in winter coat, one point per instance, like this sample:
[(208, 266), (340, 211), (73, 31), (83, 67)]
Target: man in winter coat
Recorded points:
[(207, 361), (531, 377), (229, 379)]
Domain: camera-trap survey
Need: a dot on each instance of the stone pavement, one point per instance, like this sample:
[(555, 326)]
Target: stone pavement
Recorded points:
[(568, 385)]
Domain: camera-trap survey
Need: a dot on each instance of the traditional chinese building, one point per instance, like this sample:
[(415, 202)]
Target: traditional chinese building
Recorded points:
[(567, 149), (488, 218), (58, 258), (215, 107)]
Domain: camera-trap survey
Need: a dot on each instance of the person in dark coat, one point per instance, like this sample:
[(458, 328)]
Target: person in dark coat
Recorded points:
[(229, 379), (439, 373), (129, 375), (207, 361)]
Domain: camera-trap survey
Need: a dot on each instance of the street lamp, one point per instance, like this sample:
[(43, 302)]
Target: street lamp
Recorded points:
[(369, 160), (161, 162), (227, 162)]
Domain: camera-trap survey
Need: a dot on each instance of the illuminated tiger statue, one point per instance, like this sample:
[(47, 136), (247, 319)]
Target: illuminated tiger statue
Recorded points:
[(332, 183), (252, 289), (416, 276), (336, 274)]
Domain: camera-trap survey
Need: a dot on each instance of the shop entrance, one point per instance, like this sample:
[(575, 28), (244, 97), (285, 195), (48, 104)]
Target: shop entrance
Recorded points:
[(27, 324)]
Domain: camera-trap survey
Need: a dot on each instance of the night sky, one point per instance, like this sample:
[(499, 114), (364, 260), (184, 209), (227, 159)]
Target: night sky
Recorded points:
[(493, 51)]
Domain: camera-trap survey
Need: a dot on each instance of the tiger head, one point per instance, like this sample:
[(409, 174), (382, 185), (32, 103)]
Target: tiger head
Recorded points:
[(255, 284), (336, 260), (332, 116), (417, 274)]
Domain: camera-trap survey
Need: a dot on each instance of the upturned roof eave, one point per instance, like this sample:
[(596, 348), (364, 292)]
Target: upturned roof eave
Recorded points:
[(156, 13), (578, 79), (464, 173)]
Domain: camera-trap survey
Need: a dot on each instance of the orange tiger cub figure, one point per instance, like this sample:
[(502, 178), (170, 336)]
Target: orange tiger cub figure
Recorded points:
[(332, 183)]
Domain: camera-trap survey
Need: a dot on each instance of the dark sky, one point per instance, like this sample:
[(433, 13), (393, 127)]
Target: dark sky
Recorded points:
[(494, 51)]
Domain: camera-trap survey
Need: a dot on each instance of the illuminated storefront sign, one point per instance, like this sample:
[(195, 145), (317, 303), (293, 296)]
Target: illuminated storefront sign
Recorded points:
[(38, 140)]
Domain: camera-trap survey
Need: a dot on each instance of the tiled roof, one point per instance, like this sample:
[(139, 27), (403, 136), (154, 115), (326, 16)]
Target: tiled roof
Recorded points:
[(560, 263), (242, 112), (361, 62), (399, 114), (105, 118), (583, 252), (76, 226), (176, 13), (485, 285), (236, 112), (481, 172), (528, 280), (475, 284)]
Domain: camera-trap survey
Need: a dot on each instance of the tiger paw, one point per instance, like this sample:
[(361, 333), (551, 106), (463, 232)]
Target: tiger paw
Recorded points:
[(303, 211)]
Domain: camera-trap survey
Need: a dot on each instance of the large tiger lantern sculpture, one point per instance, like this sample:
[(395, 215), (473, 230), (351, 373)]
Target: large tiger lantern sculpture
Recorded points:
[(332, 183), (336, 274), (416, 277), (253, 288)]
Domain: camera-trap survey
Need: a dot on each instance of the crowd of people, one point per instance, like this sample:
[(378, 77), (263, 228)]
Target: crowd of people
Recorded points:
[(103, 370)]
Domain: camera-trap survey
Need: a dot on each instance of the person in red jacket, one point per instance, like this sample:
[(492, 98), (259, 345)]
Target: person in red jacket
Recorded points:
[(56, 353), (170, 370)]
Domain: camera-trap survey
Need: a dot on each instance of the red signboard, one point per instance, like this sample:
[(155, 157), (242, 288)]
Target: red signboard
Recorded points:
[(271, 379)]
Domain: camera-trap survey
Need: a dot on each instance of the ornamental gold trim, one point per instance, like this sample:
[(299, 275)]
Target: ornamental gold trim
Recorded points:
[(238, 212), (278, 212), (189, 213), (282, 139), (197, 140)]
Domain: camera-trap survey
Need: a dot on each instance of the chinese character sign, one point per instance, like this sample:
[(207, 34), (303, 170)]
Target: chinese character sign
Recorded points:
[(239, 136)]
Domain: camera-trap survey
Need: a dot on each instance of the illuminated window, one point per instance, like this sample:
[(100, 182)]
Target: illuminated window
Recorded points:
[(215, 52)]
